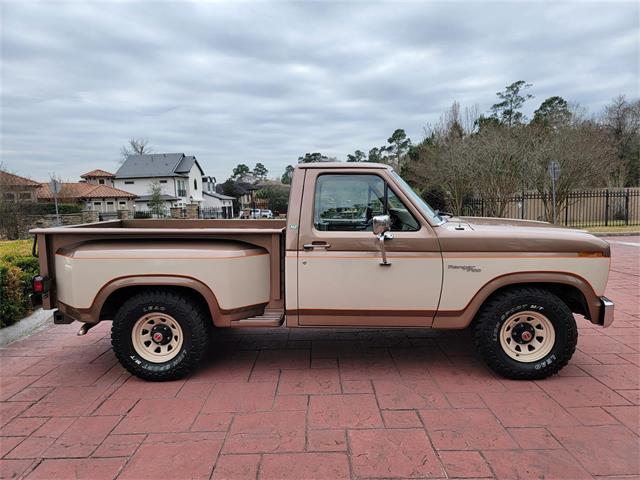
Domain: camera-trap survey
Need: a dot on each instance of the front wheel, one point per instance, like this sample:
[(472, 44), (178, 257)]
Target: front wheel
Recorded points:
[(160, 335), (525, 333)]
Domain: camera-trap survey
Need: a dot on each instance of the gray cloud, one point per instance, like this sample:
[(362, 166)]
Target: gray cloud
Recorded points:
[(247, 82)]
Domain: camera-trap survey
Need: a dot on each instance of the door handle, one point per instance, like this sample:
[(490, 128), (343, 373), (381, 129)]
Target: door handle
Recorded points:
[(381, 238), (316, 245)]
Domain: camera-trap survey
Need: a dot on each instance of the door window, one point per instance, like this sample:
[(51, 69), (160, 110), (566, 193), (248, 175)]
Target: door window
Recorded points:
[(348, 203)]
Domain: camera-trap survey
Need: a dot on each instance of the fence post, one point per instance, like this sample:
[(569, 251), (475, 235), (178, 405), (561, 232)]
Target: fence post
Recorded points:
[(626, 207), (606, 209), (192, 210), (566, 213), (522, 211), (90, 216)]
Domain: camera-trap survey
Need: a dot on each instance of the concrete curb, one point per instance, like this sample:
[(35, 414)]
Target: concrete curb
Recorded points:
[(618, 234), (23, 328)]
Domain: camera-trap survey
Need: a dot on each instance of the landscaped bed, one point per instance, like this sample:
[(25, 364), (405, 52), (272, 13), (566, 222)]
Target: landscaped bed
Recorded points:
[(17, 266)]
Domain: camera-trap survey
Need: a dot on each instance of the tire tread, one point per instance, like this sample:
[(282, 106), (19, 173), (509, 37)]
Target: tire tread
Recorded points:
[(196, 317), (485, 323)]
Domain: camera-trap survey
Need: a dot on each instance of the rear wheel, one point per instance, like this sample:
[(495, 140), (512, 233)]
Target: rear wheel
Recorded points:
[(525, 333), (160, 335)]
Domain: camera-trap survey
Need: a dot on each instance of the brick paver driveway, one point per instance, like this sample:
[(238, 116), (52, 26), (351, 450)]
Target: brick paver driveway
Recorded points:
[(327, 404)]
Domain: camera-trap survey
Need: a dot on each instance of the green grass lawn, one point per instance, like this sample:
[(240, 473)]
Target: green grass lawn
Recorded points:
[(19, 248), (615, 229)]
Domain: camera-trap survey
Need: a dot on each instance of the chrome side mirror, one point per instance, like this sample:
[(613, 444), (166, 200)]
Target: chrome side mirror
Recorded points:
[(381, 224), (381, 229)]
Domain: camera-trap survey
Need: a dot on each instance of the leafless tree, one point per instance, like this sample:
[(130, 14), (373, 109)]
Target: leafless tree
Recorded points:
[(445, 157), (586, 157), (622, 121), (135, 146), (500, 156)]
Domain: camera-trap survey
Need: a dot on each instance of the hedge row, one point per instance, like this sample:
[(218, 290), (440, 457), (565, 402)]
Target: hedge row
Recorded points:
[(16, 269)]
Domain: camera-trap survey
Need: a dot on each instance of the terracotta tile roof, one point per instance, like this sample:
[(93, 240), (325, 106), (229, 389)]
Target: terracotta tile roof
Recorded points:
[(7, 178), (84, 190), (98, 173)]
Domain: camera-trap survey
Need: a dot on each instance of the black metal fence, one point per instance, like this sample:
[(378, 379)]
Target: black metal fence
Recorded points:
[(203, 212), (589, 208)]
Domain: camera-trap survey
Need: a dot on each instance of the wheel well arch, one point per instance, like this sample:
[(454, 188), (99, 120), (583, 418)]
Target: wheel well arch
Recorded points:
[(574, 290), (114, 293), (571, 295), (116, 298)]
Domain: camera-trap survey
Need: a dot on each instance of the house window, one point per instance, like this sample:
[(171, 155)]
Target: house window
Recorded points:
[(128, 182), (163, 181), (9, 196), (182, 189), (101, 182), (109, 203), (195, 184), (97, 204), (25, 196), (123, 203)]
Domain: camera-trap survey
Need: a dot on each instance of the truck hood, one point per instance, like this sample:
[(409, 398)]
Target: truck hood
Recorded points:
[(482, 234)]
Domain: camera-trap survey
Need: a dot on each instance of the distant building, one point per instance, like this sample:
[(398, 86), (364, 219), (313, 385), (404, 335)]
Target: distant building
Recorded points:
[(14, 188), (101, 198), (217, 202), (99, 177), (179, 176)]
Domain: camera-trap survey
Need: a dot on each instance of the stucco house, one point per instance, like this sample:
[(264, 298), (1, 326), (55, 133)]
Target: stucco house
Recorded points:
[(101, 198), (14, 188), (178, 175), (99, 177)]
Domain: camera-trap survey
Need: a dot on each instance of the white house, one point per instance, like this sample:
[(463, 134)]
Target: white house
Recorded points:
[(178, 175), (216, 205)]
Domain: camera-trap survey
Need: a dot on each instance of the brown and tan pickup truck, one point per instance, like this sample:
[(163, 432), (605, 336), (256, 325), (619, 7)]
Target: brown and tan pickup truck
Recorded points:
[(358, 249)]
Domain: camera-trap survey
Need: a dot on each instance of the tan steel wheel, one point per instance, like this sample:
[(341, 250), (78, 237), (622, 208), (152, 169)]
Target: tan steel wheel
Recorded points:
[(157, 337), (527, 336)]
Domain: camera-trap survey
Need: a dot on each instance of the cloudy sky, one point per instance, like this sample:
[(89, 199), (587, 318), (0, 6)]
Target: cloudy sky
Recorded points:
[(246, 82)]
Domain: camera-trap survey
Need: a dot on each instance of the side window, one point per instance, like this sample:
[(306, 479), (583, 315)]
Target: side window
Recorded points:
[(348, 203)]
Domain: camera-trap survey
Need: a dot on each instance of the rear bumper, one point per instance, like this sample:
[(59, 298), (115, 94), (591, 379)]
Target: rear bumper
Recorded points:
[(606, 312)]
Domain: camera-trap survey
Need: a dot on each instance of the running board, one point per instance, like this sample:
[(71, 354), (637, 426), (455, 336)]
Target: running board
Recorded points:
[(270, 318)]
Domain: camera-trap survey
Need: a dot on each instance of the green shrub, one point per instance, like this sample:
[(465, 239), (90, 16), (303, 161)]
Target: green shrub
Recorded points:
[(50, 208), (17, 266), (436, 197), (14, 294)]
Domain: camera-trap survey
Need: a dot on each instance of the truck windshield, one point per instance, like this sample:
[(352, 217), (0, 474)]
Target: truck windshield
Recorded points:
[(418, 201)]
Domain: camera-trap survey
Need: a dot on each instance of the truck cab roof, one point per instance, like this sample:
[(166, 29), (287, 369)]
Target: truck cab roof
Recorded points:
[(328, 165)]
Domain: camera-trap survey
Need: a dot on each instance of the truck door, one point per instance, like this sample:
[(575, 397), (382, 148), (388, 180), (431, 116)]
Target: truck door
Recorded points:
[(340, 277)]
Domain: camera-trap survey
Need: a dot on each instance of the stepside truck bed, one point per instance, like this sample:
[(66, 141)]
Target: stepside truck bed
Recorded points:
[(268, 235)]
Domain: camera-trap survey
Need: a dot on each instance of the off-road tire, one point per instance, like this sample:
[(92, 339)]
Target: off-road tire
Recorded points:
[(495, 312), (192, 318)]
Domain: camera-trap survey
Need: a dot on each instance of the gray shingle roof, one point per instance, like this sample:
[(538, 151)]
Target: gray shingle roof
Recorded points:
[(218, 195), (185, 164), (156, 165)]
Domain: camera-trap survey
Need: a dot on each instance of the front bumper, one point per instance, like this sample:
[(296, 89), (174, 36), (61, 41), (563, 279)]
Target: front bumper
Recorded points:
[(606, 312)]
